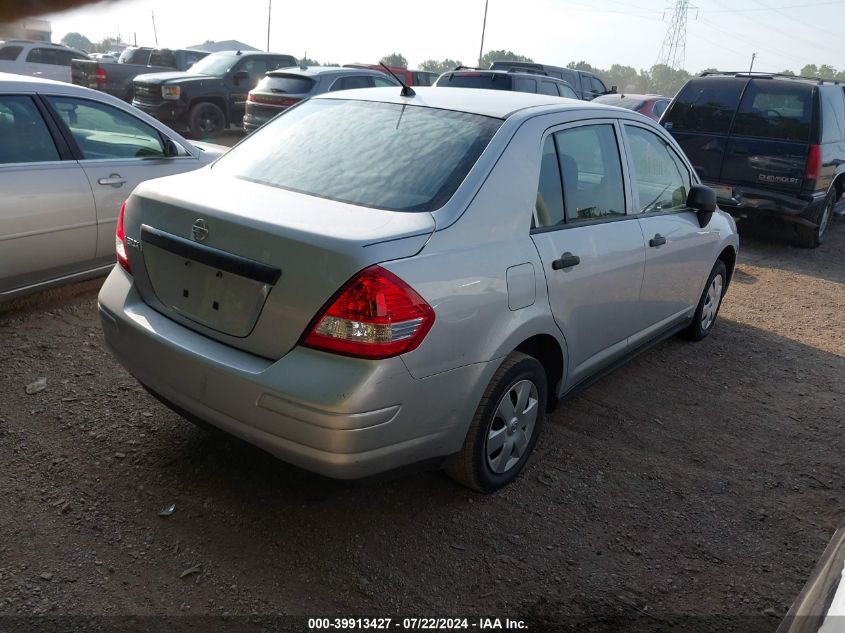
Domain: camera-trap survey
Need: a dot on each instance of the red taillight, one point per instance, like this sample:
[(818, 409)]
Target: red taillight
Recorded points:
[(814, 163), (101, 76), (281, 101), (375, 315), (120, 241)]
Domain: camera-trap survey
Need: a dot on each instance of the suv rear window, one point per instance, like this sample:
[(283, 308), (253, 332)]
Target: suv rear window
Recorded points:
[(380, 155), (288, 84), (705, 105), (776, 110), (488, 81)]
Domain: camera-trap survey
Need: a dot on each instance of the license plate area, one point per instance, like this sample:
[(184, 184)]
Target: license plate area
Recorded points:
[(723, 192), (220, 292)]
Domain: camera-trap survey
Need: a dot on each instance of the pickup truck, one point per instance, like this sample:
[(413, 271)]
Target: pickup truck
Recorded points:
[(116, 78), (211, 96)]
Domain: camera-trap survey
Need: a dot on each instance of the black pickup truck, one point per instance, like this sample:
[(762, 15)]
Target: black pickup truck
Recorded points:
[(209, 98), (116, 78)]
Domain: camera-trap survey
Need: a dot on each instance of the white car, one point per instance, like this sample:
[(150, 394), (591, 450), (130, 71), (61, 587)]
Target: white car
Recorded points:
[(69, 157), (38, 59)]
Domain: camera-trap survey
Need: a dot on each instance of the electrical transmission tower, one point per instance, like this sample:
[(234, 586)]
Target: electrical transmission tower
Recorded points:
[(674, 48)]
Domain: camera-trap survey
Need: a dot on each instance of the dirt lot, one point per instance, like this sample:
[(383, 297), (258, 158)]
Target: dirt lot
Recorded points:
[(699, 481)]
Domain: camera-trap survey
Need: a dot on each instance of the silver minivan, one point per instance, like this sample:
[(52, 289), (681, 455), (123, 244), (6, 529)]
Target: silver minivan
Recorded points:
[(376, 279)]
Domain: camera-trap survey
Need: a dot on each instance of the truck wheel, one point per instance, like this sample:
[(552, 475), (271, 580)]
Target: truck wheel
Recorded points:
[(206, 120), (813, 236), (505, 427), (708, 306)]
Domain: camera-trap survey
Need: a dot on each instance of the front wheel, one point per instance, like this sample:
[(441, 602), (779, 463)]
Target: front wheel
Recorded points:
[(813, 236), (206, 120), (505, 427), (709, 304)]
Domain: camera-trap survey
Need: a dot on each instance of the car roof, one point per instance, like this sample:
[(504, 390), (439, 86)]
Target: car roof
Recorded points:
[(630, 95), (493, 103), (327, 70), (238, 53), (509, 73)]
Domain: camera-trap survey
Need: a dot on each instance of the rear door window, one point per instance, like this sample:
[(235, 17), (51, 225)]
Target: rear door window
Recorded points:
[(43, 56), (592, 172), (548, 88), (352, 82), (706, 105), (24, 137), (549, 204), (833, 114), (566, 91), (779, 110), (524, 84)]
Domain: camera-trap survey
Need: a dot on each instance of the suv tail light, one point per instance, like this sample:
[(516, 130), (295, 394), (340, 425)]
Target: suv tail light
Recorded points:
[(120, 241), (101, 76), (374, 315), (281, 101), (814, 163)]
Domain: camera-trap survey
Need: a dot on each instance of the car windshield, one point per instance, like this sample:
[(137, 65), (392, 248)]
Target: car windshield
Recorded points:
[(381, 155), (216, 65)]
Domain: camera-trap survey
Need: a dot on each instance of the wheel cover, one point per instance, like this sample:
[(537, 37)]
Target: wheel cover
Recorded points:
[(512, 426), (711, 302)]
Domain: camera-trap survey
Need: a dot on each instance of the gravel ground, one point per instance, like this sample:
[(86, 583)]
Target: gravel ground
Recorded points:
[(699, 481)]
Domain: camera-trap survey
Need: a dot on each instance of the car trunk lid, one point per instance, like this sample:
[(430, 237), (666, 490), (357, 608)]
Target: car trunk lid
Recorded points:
[(251, 265)]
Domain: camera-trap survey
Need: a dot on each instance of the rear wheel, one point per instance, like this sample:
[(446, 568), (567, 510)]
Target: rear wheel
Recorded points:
[(709, 304), (206, 120), (813, 236), (505, 427)]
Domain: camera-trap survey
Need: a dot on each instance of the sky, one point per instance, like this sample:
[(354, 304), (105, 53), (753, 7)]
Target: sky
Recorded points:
[(785, 34)]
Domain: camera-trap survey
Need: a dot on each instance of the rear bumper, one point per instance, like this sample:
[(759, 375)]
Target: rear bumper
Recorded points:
[(341, 417), (755, 202)]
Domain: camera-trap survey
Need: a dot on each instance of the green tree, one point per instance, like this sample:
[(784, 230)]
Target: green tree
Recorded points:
[(439, 67), (827, 72), (810, 70), (105, 45), (582, 65), (501, 55), (666, 80), (306, 61), (394, 59), (787, 72), (625, 78), (77, 40)]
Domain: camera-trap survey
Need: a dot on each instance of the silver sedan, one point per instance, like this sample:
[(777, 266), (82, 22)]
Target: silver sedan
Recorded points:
[(376, 278), (69, 157)]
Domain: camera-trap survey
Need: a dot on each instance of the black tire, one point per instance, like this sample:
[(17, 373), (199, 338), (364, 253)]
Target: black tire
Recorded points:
[(206, 120), (813, 236), (700, 328), (472, 466)]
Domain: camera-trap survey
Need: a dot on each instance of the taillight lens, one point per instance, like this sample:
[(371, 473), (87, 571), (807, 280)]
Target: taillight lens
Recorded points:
[(375, 315), (279, 101), (814, 163), (101, 76), (120, 241)]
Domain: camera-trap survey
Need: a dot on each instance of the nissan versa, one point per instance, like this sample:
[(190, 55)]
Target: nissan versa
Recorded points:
[(372, 279)]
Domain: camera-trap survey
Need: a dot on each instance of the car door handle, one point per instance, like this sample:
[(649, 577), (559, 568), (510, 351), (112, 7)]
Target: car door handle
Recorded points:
[(115, 180), (657, 240), (567, 260)]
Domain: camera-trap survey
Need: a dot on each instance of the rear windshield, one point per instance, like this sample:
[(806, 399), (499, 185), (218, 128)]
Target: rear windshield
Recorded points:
[(779, 110), (705, 105), (488, 81), (286, 84), (381, 155)]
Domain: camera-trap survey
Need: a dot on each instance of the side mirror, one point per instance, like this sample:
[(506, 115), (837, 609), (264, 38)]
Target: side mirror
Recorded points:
[(702, 200), (241, 76), (172, 149)]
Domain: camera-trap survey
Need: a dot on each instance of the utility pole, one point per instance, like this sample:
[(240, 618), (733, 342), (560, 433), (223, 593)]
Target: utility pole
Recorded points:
[(155, 33), (751, 67), (483, 29), (269, 14)]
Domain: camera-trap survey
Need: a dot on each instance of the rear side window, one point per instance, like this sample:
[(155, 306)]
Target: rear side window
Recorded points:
[(706, 105), (24, 137), (566, 91), (570, 76), (833, 114), (775, 110), (548, 88), (10, 53), (163, 57), (286, 84), (476, 80), (549, 203), (43, 56), (381, 155), (592, 172), (598, 86)]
